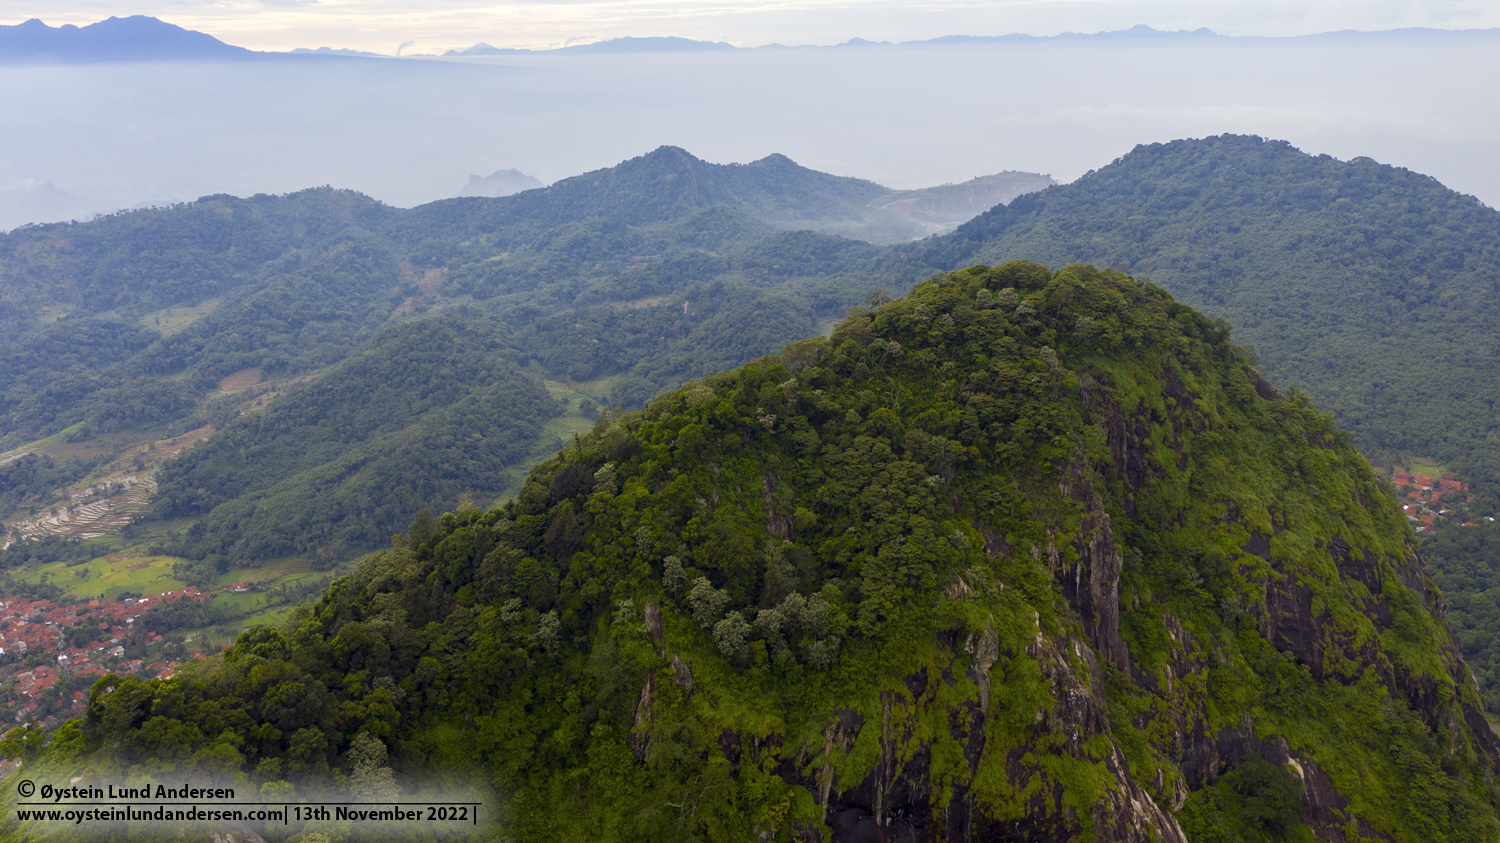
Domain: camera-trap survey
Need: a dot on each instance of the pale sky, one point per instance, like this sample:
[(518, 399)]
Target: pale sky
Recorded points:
[(438, 25)]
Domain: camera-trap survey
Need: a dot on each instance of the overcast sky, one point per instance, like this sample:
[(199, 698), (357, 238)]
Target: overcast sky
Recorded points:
[(438, 25)]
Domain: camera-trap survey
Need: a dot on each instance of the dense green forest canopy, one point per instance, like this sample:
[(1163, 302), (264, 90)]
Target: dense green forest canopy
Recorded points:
[(1466, 565), (421, 415), (1025, 554), (1373, 288)]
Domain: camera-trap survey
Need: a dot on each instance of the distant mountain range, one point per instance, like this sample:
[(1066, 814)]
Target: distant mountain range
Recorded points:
[(613, 46), (329, 51), (928, 210), (143, 38), (136, 38)]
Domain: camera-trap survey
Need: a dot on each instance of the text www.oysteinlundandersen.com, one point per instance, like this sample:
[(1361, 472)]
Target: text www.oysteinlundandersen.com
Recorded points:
[(128, 813), (357, 813)]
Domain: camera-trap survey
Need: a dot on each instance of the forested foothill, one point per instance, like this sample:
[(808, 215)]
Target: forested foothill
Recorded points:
[(640, 277), (1026, 554)]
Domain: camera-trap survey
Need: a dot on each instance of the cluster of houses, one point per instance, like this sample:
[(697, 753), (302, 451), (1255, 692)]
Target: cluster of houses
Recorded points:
[(31, 626), (1426, 499)]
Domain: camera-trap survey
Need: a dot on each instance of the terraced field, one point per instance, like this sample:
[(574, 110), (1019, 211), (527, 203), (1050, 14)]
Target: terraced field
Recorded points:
[(243, 379), (41, 446), (89, 516), (105, 504)]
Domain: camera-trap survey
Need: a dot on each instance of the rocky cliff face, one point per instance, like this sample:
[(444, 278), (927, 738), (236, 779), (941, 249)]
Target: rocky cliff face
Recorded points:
[(895, 799), (1309, 581)]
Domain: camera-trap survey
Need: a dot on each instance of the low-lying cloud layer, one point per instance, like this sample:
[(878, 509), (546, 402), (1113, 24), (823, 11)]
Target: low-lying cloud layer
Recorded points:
[(409, 132)]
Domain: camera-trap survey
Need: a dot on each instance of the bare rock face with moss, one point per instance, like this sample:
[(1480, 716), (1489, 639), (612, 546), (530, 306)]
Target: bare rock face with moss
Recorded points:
[(1023, 556)]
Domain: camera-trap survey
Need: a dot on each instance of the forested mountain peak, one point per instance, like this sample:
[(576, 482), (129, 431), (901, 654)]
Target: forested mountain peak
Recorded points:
[(669, 181), (1214, 173), (1371, 286), (1024, 555)]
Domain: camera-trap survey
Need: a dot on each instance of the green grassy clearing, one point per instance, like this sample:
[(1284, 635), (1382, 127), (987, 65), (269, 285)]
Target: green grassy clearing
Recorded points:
[(275, 616), (264, 575), (257, 608), (170, 320), (53, 312), (1424, 465), (560, 428)]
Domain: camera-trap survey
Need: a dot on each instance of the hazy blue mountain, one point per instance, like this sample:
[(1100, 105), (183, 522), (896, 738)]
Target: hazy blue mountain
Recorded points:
[(329, 51), (669, 44), (483, 49), (1144, 35), (612, 46), (670, 182), (41, 202), (136, 38), (945, 206), (500, 183)]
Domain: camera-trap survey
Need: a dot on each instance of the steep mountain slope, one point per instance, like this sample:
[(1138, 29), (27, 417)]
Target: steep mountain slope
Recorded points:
[(1372, 287), (1025, 556)]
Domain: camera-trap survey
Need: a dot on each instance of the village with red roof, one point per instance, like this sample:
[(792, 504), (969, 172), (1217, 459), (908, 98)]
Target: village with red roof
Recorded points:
[(31, 629), (1427, 499)]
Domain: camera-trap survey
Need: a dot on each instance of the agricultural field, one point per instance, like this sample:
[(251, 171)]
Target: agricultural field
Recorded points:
[(130, 569), (243, 379), (41, 446), (123, 572), (278, 587)]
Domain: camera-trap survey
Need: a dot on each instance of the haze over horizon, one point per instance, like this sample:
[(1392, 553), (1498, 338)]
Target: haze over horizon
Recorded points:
[(384, 26), (412, 132)]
